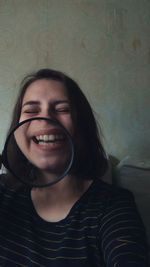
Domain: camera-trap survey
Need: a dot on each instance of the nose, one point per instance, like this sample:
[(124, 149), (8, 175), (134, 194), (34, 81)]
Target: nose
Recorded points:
[(48, 113)]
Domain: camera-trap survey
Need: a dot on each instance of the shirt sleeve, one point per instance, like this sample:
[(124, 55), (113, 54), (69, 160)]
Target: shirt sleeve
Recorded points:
[(122, 233)]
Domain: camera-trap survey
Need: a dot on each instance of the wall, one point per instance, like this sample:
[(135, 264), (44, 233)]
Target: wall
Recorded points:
[(103, 44)]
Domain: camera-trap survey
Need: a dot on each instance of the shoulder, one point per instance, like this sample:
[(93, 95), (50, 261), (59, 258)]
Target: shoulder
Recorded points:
[(120, 208), (111, 192), (115, 201), (121, 230), (102, 199), (10, 192)]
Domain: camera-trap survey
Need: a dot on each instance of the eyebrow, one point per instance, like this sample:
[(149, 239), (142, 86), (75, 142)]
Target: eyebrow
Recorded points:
[(31, 102)]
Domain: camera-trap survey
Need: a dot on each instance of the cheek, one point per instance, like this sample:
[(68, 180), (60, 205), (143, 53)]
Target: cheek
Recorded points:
[(21, 118), (21, 135), (67, 122)]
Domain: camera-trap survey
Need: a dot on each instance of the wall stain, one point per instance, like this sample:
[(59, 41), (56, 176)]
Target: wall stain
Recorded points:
[(136, 44), (116, 20), (88, 8), (83, 45)]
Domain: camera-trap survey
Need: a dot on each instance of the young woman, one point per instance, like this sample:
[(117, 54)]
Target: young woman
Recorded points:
[(79, 221)]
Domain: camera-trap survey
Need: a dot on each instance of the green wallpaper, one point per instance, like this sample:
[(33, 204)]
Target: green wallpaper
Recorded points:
[(103, 44)]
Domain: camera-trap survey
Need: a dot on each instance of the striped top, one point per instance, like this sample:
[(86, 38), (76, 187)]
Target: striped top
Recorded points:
[(102, 229)]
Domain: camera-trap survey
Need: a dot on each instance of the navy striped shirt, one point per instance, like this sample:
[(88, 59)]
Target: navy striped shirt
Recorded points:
[(102, 229)]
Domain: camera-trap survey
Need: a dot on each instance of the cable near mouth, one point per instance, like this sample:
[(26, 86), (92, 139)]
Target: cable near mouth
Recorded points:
[(39, 151)]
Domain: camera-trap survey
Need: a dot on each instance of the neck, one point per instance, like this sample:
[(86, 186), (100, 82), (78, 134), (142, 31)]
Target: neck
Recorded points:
[(64, 191), (54, 203), (61, 191)]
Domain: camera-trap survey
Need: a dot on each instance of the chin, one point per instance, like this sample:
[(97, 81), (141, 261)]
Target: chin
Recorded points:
[(51, 167)]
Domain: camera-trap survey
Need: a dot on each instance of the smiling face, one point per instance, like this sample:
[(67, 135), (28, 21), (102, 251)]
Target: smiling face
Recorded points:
[(44, 144)]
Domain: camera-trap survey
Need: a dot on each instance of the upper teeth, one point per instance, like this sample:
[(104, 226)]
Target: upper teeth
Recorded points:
[(50, 137)]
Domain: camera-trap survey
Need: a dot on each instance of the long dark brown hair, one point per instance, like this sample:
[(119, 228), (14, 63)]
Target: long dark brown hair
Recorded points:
[(90, 157)]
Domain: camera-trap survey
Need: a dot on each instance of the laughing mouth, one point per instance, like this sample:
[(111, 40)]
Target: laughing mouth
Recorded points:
[(48, 138)]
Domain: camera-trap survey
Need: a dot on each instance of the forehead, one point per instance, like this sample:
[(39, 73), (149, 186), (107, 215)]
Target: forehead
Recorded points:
[(45, 89)]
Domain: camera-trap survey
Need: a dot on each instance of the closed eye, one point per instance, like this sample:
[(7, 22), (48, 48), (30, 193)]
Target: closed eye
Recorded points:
[(31, 111), (62, 110)]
